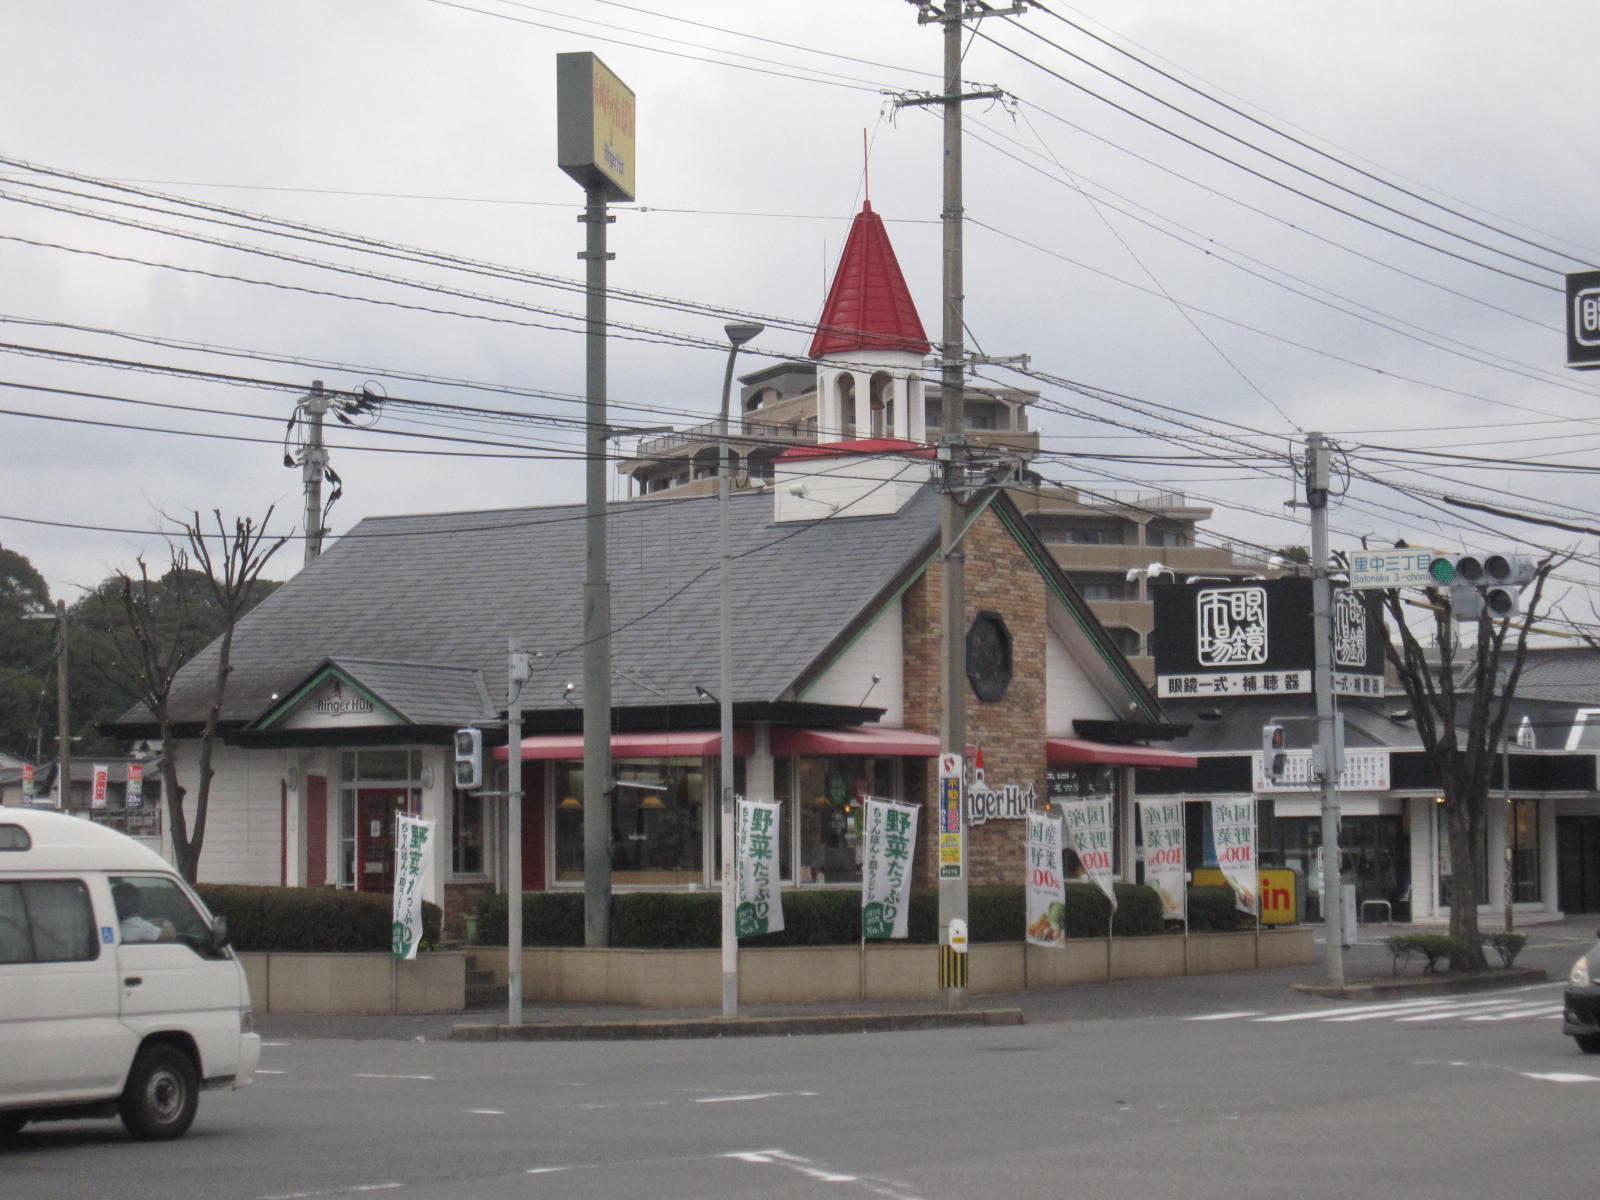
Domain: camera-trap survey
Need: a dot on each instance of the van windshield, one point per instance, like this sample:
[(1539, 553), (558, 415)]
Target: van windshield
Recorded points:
[(153, 908)]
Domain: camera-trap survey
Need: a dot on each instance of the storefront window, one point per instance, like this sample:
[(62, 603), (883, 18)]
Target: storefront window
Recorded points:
[(826, 792), (1080, 783), (657, 821), (374, 787), (466, 848), (1374, 852)]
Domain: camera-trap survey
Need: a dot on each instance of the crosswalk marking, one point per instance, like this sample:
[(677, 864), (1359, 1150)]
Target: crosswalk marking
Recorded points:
[(1516, 1006)]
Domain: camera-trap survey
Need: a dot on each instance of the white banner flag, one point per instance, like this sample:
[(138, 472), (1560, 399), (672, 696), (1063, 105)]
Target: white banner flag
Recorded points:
[(760, 899), (1233, 832), (413, 850), (1047, 886), (1161, 824), (1089, 826), (102, 779), (891, 833)]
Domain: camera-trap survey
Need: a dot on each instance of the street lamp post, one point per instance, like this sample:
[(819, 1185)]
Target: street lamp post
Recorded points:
[(63, 735), (738, 334)]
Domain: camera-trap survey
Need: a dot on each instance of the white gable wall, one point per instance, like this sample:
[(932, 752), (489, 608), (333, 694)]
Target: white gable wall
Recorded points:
[(1068, 692), (878, 651), (243, 815)]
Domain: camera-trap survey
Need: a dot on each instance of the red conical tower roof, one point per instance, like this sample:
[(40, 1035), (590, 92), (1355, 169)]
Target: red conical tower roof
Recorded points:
[(868, 306)]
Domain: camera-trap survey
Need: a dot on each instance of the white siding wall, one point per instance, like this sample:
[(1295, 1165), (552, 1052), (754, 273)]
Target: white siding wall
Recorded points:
[(243, 837), (1068, 693), (878, 651)]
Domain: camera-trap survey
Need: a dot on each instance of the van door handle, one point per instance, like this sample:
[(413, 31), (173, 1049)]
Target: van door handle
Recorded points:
[(132, 981)]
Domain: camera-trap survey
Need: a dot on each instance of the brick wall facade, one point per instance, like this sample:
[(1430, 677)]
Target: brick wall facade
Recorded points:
[(1010, 731)]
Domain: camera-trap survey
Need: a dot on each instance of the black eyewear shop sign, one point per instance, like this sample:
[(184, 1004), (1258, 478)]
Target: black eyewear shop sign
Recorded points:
[(1254, 638), (1583, 320)]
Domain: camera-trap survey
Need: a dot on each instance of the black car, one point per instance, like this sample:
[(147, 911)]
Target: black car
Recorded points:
[(1580, 1018)]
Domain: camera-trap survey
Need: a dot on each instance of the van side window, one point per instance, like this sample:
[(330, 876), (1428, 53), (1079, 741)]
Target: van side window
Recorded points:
[(46, 920), (153, 908)]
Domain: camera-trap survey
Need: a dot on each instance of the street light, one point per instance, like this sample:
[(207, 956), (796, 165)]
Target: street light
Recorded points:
[(738, 334), (63, 741)]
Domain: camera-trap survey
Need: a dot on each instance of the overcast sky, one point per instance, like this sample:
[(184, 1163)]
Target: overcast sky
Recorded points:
[(1110, 238)]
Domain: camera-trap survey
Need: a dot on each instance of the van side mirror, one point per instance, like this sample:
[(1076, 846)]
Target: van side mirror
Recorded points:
[(219, 934)]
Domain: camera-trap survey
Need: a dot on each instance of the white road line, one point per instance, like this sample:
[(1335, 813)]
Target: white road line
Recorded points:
[(1462, 1007), (1323, 1014), (1226, 1016), (1517, 1014), (260, 1071), (485, 1112), (1559, 1077), (751, 1096), (343, 1191)]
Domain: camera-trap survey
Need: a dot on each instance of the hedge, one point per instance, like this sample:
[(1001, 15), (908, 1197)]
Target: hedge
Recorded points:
[(812, 917), (310, 919)]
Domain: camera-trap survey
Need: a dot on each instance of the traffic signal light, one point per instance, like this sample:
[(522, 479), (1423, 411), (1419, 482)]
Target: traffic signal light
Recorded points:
[(1274, 753), (1504, 577), (1442, 570), (469, 758)]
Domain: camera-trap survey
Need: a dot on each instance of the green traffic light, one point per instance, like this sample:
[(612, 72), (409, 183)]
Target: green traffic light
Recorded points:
[(1443, 570)]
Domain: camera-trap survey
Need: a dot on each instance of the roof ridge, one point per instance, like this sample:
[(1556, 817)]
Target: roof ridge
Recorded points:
[(869, 306)]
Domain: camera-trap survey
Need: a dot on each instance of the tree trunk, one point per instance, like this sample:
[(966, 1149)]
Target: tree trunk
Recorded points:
[(1464, 881)]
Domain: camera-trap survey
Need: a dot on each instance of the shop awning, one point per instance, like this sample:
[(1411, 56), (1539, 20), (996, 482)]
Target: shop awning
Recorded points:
[(889, 743), (1067, 752), (694, 743)]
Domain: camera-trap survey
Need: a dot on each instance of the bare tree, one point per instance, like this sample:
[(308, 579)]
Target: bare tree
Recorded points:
[(1459, 701), (161, 637)]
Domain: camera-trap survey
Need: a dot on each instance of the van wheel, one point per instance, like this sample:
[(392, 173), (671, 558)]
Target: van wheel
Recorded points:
[(161, 1095), (1589, 1043), (11, 1124)]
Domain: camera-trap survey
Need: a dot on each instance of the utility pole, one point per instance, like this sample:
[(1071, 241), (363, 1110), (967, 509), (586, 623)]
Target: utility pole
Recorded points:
[(63, 724), (1325, 762), (952, 451), (313, 463), (516, 677)]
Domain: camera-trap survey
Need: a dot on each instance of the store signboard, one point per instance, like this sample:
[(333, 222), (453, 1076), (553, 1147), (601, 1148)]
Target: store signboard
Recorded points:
[(1255, 638)]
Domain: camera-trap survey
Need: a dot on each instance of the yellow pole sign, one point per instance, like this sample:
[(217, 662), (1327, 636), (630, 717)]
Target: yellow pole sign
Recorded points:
[(594, 125)]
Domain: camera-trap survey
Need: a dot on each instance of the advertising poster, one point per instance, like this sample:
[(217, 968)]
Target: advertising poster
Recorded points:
[(1047, 886), (27, 783), (102, 777), (413, 849), (1233, 832), (760, 900), (135, 786), (1162, 824), (1088, 822), (950, 804), (891, 834)]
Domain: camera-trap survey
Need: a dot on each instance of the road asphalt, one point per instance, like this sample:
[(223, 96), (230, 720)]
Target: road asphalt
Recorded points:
[(1552, 948)]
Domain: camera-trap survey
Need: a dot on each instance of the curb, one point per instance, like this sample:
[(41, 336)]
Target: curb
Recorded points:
[(1413, 985), (712, 1027)]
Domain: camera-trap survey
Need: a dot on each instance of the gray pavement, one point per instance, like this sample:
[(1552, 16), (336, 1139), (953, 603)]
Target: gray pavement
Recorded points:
[(1552, 947)]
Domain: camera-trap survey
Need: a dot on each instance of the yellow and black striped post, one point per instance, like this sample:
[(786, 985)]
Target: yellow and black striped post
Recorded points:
[(952, 968)]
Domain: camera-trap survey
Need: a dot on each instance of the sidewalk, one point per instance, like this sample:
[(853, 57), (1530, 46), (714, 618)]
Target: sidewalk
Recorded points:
[(1552, 947)]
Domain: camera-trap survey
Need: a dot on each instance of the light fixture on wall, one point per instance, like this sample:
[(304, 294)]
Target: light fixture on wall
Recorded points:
[(651, 800), (426, 777), (570, 802), (291, 776)]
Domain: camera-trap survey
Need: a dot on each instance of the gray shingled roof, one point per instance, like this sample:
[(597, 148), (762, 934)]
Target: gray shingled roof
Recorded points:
[(1551, 673), (423, 693), (448, 588)]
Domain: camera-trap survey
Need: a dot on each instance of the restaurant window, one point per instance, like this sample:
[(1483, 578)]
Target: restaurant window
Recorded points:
[(375, 787), (785, 821), (826, 792), (1089, 782), (657, 821)]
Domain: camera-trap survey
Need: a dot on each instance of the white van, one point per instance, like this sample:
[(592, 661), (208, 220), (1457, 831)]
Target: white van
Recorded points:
[(104, 1012)]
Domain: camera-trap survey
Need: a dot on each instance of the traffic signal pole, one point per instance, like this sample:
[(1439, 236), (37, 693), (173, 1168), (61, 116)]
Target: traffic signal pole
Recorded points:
[(1325, 757)]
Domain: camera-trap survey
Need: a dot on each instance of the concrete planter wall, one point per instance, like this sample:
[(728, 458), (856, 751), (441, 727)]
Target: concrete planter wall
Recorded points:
[(357, 983), (885, 971)]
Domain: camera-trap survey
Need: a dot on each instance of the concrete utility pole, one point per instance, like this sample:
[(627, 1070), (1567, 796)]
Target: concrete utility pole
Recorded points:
[(313, 463), (596, 589), (952, 450), (1325, 762), (63, 724), (516, 678)]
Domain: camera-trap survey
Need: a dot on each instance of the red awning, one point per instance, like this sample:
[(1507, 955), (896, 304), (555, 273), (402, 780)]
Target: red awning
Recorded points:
[(1066, 752), (890, 743), (678, 744)]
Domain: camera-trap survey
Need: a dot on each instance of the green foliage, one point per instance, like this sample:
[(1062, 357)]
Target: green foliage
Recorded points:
[(27, 659), (812, 917), (1212, 909), (1506, 945), (310, 919), (1403, 947)]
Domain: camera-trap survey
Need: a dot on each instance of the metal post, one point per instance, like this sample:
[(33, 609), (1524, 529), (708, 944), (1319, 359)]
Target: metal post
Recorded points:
[(1511, 827), (313, 462), (596, 592), (738, 335), (63, 721), (516, 676), (1322, 636)]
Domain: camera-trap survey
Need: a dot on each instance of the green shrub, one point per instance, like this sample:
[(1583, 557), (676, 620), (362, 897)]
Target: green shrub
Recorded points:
[(812, 917), (1403, 947), (1212, 909), (1506, 945), (264, 919)]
